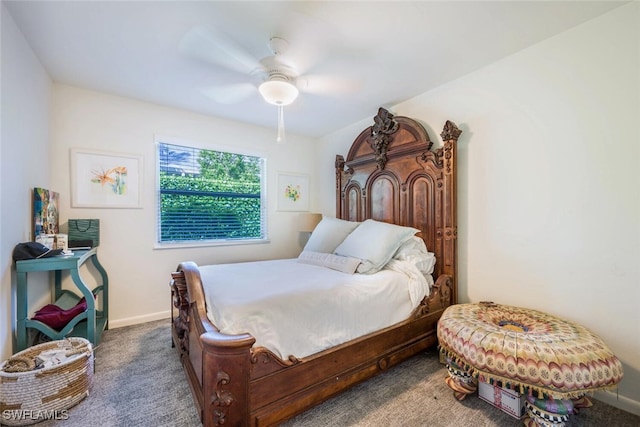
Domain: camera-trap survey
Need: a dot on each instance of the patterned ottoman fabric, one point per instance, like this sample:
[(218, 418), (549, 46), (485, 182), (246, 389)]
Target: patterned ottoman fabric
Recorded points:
[(527, 350)]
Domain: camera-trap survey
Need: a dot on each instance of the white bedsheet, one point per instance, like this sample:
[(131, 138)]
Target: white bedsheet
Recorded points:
[(300, 309)]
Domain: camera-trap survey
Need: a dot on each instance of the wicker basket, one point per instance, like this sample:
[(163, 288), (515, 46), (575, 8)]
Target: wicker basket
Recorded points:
[(33, 396)]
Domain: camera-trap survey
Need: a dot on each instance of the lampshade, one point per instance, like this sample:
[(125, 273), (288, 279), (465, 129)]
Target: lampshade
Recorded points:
[(278, 92), (307, 222)]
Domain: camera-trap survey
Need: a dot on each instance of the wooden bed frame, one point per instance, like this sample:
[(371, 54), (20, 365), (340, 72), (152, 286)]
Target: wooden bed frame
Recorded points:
[(391, 175)]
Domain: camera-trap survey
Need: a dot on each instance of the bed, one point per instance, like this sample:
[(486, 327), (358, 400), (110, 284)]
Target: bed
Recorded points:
[(390, 175)]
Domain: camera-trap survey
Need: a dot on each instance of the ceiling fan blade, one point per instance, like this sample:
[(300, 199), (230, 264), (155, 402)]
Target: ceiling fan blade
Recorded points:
[(312, 38), (231, 93), (319, 84), (216, 48)]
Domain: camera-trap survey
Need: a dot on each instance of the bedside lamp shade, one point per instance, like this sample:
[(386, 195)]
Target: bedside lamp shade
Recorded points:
[(307, 222)]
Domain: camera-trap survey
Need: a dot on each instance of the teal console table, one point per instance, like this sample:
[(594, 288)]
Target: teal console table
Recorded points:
[(89, 324)]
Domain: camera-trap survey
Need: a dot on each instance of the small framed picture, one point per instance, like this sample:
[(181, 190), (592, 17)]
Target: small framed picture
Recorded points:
[(46, 206), (293, 192), (105, 180)]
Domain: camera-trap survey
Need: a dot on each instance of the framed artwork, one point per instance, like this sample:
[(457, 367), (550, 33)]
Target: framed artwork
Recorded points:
[(105, 180), (293, 192), (45, 212)]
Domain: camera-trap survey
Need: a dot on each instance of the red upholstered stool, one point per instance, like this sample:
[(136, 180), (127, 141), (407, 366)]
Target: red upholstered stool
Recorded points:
[(555, 362)]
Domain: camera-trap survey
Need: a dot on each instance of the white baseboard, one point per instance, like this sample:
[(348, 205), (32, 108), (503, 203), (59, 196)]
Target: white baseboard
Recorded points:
[(119, 323), (610, 397)]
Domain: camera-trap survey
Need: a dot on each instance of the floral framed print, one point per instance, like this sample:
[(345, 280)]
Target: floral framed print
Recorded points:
[(105, 180), (293, 192)]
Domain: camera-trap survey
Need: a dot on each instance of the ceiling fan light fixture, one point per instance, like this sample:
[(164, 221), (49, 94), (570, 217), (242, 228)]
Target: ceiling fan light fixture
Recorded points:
[(278, 92)]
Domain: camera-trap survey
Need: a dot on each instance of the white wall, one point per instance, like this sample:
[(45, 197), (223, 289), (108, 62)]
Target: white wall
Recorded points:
[(549, 200), (24, 152), (138, 274)]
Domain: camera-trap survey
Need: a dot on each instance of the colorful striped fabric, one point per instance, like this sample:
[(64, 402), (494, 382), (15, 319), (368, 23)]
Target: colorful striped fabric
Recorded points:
[(527, 350)]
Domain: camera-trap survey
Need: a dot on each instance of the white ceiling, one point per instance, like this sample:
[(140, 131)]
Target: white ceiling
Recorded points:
[(358, 55)]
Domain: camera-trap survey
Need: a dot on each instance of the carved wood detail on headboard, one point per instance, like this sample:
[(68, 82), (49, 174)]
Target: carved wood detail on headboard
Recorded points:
[(390, 174), (381, 135)]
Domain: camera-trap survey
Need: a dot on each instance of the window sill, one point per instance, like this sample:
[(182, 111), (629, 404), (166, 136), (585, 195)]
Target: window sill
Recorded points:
[(211, 243)]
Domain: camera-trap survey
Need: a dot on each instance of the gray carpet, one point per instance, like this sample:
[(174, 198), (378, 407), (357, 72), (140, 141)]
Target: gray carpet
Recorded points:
[(139, 382)]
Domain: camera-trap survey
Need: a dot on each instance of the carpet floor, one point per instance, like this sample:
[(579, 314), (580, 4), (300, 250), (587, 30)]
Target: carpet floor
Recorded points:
[(139, 381)]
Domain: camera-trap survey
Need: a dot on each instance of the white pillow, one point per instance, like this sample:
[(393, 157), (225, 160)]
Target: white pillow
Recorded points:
[(328, 234), (374, 243), (334, 262), (415, 251)]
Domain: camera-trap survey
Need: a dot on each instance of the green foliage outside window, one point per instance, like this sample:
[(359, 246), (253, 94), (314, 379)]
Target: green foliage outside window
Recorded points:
[(218, 199)]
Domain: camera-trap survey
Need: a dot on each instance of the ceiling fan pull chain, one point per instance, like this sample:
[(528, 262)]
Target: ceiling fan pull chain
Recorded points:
[(280, 139)]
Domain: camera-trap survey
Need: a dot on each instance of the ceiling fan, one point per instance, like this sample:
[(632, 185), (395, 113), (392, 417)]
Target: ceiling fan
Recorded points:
[(274, 76), (279, 84)]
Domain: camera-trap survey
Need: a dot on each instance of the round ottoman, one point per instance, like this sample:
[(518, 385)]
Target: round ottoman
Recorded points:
[(554, 361)]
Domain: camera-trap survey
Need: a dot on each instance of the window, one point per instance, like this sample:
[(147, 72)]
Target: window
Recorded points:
[(208, 196)]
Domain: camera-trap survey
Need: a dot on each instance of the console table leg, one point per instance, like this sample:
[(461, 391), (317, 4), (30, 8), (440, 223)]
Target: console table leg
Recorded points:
[(21, 312)]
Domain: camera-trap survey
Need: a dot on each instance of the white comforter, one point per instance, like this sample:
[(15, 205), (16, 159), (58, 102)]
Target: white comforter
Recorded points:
[(299, 309)]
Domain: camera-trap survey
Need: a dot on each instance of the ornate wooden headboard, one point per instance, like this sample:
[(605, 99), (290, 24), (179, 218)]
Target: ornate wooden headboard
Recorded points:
[(391, 175)]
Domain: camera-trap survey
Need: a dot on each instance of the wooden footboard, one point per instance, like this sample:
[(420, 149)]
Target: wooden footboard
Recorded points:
[(234, 384)]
